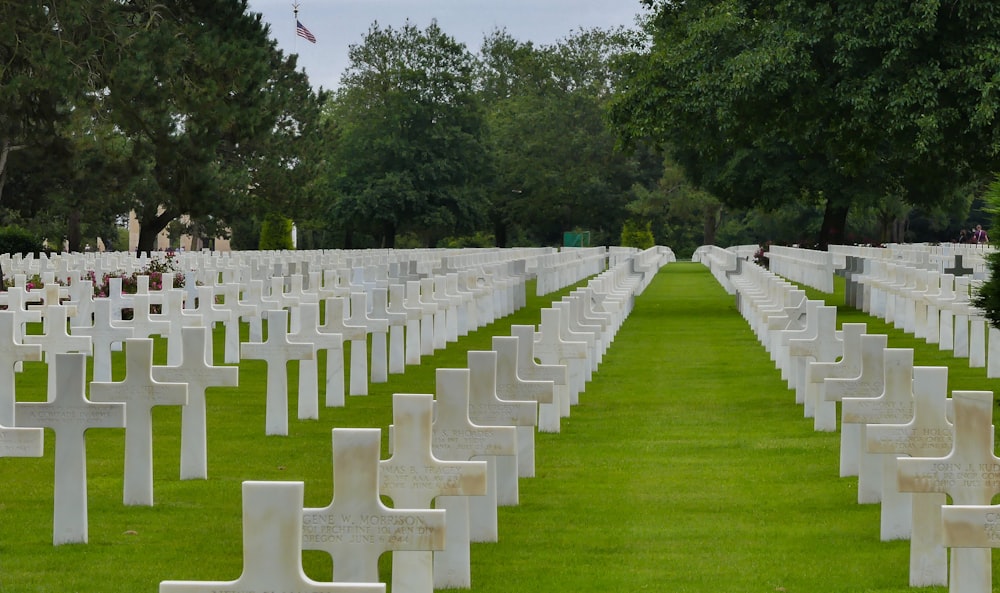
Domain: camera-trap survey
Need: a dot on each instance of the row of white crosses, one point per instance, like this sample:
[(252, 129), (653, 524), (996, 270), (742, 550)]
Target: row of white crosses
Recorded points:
[(68, 411), (906, 442), (463, 452), (933, 303)]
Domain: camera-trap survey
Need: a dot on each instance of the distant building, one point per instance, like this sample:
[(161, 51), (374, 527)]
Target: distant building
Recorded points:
[(186, 242)]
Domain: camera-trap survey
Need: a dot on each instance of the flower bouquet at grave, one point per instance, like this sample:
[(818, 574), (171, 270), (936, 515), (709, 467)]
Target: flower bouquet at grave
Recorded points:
[(31, 283), (130, 283)]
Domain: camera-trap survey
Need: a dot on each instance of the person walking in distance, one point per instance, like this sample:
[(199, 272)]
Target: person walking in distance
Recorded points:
[(979, 236)]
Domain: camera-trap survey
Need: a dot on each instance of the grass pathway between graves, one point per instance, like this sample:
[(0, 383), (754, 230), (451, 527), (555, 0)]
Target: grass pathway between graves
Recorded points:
[(686, 467)]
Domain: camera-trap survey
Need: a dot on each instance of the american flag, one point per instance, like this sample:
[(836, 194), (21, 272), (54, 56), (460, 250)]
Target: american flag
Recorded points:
[(301, 31)]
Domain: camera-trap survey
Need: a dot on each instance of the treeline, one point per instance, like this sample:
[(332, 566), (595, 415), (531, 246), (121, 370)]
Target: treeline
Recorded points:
[(174, 109)]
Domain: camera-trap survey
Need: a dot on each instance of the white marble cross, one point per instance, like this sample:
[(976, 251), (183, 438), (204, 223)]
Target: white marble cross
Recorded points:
[(104, 334), (824, 346), (548, 413), (140, 393), (457, 438), (272, 548), (970, 475), (309, 333), (551, 348), (404, 337), (55, 340), (927, 434), (399, 304), (416, 299), (238, 310), (356, 334), (276, 352), (511, 387), (199, 374), (395, 362), (869, 383), (825, 418), (70, 414), (21, 442), (893, 406), (11, 352), (439, 333), (144, 324), (486, 409), (413, 477), (356, 528)]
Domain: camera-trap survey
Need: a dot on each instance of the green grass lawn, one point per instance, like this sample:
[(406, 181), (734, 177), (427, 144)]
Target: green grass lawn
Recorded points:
[(687, 466)]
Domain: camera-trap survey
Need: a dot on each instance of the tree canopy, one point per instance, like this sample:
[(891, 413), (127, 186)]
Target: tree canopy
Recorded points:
[(165, 103), (847, 101)]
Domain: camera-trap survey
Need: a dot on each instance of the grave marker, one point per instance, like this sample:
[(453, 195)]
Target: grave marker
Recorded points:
[(928, 434), (104, 334), (309, 333), (413, 477), (70, 414), (140, 393), (511, 387), (55, 339), (548, 413), (969, 474), (869, 383), (276, 352), (552, 349), (199, 374), (272, 548), (825, 346), (457, 438), (21, 442), (893, 406), (356, 528), (11, 352), (486, 409)]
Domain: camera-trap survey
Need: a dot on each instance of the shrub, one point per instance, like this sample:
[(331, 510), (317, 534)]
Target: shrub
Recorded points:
[(636, 235), (15, 239), (276, 232), (987, 298)]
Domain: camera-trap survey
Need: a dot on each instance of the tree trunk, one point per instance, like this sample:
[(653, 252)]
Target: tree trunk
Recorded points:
[(711, 224), (834, 220), (500, 234), (5, 149), (73, 234), (150, 229), (388, 236)]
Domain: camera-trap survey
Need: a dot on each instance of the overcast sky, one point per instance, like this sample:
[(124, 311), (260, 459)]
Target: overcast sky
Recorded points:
[(337, 24)]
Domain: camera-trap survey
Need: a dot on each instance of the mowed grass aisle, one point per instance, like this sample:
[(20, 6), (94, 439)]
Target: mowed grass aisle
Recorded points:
[(686, 467)]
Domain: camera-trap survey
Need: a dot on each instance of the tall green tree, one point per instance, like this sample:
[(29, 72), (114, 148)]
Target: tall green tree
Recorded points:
[(192, 85), (849, 100), (554, 160), (407, 152)]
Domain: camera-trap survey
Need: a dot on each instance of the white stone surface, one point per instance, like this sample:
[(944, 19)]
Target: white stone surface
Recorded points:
[(893, 406), (356, 528), (140, 393), (272, 548), (276, 351), (456, 437), (969, 474), (927, 434), (413, 477), (70, 414), (869, 383), (199, 374)]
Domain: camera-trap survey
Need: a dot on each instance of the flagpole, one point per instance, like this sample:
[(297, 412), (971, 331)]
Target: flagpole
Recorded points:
[(295, 39)]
